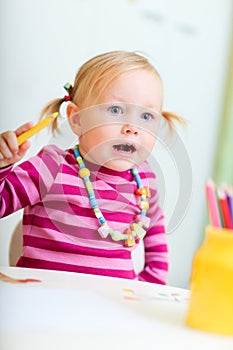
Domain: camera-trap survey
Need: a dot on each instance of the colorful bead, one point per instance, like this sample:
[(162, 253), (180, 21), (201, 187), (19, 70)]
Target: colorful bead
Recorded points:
[(144, 220), (117, 235), (143, 191), (67, 86), (137, 177), (102, 220), (84, 172), (91, 195), (138, 180), (130, 241), (104, 231), (134, 171), (79, 159), (93, 202), (144, 205), (137, 230), (89, 187), (98, 213)]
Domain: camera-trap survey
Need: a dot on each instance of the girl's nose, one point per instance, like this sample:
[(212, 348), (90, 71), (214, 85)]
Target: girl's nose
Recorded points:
[(129, 129)]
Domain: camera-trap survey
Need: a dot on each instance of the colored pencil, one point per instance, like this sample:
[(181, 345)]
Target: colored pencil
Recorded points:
[(36, 128), (225, 210), (212, 203), (229, 194)]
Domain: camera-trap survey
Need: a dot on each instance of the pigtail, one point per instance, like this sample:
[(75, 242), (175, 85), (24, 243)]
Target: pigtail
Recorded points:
[(168, 126), (54, 106), (172, 119)]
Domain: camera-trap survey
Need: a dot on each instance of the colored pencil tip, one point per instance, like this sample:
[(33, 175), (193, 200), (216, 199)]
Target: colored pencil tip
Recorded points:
[(210, 182)]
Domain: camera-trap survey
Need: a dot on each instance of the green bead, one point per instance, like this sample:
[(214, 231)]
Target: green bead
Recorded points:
[(89, 187), (79, 160)]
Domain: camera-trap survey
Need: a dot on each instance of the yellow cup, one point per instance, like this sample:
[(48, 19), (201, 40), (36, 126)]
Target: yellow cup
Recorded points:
[(211, 301)]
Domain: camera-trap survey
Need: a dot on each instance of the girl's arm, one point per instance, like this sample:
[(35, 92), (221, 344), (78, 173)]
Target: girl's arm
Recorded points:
[(28, 183), (155, 241), (156, 255)]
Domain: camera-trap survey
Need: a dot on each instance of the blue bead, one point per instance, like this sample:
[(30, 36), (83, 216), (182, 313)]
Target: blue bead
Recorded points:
[(138, 180), (102, 220), (93, 203), (86, 178), (92, 195), (134, 171), (76, 152)]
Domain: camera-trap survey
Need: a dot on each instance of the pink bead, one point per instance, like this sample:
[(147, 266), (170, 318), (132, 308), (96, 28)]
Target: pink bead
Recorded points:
[(104, 231), (144, 220)]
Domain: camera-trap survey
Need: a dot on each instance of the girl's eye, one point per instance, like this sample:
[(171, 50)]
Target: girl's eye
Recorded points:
[(146, 116), (116, 110)]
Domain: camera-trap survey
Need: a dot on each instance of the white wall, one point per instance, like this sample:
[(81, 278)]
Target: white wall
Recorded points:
[(43, 42)]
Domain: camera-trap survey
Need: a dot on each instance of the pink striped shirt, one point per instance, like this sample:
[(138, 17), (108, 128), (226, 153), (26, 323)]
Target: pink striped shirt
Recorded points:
[(60, 228)]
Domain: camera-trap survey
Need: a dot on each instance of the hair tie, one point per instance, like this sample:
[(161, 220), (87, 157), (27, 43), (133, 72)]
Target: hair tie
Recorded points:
[(69, 88), (67, 98)]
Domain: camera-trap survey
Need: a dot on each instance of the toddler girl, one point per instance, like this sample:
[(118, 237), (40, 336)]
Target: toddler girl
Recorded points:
[(90, 208)]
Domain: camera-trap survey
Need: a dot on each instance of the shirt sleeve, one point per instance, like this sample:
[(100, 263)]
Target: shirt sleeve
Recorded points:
[(156, 254), (27, 183), (155, 241)]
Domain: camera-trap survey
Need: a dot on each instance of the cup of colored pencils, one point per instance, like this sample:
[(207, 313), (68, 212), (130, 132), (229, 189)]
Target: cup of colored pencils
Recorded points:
[(220, 205), (211, 284)]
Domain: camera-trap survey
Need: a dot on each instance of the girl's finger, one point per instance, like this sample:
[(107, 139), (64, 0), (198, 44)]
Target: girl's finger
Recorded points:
[(10, 139), (4, 144), (23, 148), (23, 128)]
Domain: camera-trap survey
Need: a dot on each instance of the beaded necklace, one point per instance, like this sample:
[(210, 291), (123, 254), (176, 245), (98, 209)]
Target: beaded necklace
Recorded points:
[(137, 229)]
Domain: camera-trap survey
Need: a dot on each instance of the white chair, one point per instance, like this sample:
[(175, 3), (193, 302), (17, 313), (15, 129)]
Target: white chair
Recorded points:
[(16, 244), (10, 238)]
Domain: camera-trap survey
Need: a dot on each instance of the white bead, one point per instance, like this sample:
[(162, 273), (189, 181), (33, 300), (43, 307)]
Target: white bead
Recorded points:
[(138, 230), (104, 231), (117, 235), (98, 214), (144, 220)]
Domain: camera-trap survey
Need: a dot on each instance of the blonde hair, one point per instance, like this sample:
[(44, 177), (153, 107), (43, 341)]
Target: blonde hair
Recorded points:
[(94, 77)]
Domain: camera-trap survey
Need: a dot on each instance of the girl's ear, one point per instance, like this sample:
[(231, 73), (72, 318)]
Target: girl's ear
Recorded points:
[(72, 111)]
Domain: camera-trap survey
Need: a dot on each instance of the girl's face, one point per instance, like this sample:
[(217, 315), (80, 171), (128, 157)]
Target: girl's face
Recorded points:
[(120, 132)]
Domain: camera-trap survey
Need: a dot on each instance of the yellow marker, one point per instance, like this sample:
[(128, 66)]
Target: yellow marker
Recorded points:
[(36, 128)]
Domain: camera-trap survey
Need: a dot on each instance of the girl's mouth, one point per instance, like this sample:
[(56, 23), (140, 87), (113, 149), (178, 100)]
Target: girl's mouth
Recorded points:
[(125, 148)]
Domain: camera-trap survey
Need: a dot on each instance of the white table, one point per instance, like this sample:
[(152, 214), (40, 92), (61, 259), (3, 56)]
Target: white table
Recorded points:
[(76, 311)]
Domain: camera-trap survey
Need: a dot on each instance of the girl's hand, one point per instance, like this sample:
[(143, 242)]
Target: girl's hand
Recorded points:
[(10, 152)]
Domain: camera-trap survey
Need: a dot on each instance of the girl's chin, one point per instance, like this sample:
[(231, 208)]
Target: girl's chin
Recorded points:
[(120, 165)]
